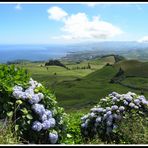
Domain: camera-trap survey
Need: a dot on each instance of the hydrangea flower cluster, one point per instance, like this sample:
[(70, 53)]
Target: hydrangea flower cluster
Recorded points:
[(45, 116), (105, 116)]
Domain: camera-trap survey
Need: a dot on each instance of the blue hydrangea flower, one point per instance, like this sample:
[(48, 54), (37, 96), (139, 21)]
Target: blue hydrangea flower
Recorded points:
[(37, 126), (92, 114), (30, 91), (100, 110), (137, 101), (114, 116), (17, 88), (121, 108), (17, 94), (34, 99), (114, 93), (48, 113), (52, 122), (114, 99), (145, 102), (128, 97), (98, 119), (41, 96), (114, 107), (110, 118), (43, 117), (108, 113), (84, 125), (104, 116), (46, 124), (53, 137), (132, 105), (108, 109), (141, 98), (125, 102), (39, 109)]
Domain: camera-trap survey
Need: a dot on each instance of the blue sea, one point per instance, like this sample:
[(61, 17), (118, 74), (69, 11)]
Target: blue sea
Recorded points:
[(32, 52)]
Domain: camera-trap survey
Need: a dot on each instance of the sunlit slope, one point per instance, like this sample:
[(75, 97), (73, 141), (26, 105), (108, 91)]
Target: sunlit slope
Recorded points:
[(85, 91), (133, 68)]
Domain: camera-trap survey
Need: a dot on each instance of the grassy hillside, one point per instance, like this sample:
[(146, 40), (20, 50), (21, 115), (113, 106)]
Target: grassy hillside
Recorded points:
[(85, 92), (134, 68), (78, 88)]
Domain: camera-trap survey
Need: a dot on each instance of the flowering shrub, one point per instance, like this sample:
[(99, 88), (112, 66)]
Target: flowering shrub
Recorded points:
[(34, 110), (104, 119)]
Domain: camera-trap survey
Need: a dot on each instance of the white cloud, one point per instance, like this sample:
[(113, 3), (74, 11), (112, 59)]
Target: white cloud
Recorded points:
[(143, 39), (80, 27), (18, 7), (56, 13), (91, 4)]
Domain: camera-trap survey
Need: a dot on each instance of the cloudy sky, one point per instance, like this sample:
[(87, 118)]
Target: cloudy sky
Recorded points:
[(45, 23)]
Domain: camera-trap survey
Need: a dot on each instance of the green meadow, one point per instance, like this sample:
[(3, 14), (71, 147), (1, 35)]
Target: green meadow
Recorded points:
[(79, 87)]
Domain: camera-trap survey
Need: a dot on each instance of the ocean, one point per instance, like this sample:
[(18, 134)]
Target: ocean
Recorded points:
[(32, 52)]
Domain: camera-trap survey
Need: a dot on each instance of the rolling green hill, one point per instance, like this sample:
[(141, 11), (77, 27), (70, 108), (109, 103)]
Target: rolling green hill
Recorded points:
[(133, 68), (79, 88), (87, 90)]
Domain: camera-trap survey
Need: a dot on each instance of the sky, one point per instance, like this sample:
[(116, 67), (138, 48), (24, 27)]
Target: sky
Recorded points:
[(53, 23)]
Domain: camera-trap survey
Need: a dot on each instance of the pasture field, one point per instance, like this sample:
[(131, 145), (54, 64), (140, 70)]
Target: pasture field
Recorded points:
[(80, 87)]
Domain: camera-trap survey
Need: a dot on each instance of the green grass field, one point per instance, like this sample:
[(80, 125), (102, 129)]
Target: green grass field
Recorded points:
[(80, 89)]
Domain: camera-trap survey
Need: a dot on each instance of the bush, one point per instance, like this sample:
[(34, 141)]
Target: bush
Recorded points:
[(32, 108), (116, 118)]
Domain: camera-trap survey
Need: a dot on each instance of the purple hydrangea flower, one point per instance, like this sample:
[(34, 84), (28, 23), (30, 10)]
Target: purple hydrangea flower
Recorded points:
[(114, 93), (17, 88), (108, 113), (41, 96), (121, 108), (132, 105), (110, 118), (37, 126), (52, 122), (53, 137), (98, 119), (48, 113), (39, 109), (114, 99), (108, 109), (145, 102), (125, 102), (100, 110), (92, 114), (34, 99), (137, 101), (115, 116), (84, 125), (46, 124), (104, 116), (128, 98), (43, 117), (114, 107)]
